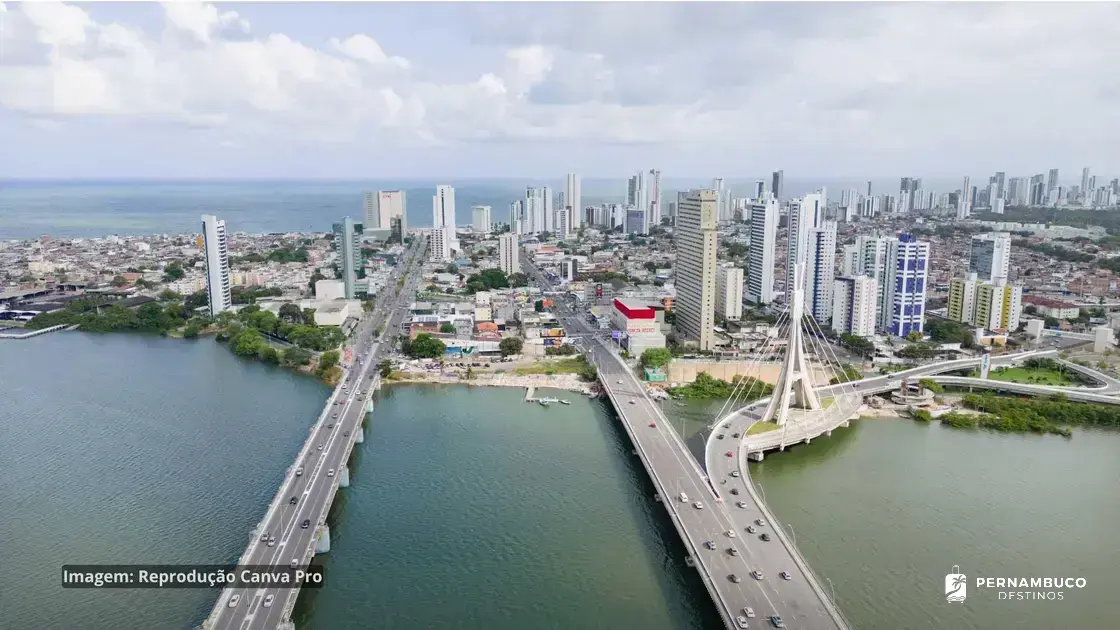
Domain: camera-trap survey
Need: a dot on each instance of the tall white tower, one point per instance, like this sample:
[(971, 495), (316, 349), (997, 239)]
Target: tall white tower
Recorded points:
[(573, 200), (794, 386), (217, 264), (443, 212)]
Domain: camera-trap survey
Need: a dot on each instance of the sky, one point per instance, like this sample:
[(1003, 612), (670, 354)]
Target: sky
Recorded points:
[(381, 90)]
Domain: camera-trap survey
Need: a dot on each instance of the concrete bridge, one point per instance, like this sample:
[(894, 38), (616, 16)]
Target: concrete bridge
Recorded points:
[(297, 516), (800, 601)]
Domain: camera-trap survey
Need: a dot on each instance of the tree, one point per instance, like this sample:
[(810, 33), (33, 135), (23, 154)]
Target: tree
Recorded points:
[(858, 345), (315, 277), (327, 360), (385, 368), (914, 336), (655, 357), (451, 268), (168, 295), (425, 346), (296, 356), (309, 316), (447, 328), (931, 385), (510, 346), (119, 281), (291, 313), (173, 271), (196, 300), (191, 331), (518, 280)]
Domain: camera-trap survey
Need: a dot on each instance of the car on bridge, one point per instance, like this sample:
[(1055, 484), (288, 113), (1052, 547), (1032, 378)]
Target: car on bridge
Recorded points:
[(777, 621), (741, 621), (698, 505), (268, 601), (735, 578), (305, 524), (330, 473), (233, 600), (293, 500), (765, 537), (785, 575), (756, 574)]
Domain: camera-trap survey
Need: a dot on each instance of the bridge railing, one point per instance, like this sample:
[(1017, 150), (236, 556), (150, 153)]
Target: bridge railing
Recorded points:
[(724, 608)]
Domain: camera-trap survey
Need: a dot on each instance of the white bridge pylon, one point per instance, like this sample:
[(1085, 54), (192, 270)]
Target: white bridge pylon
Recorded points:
[(794, 386), (798, 343)]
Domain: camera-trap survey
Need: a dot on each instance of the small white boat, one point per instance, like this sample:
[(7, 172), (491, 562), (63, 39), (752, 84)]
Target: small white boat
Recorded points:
[(543, 402), (550, 400), (565, 402)]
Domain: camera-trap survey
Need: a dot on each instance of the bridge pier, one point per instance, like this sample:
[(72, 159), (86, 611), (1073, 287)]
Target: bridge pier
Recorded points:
[(323, 539), (808, 440), (359, 435), (344, 477), (369, 406), (286, 625), (756, 456)]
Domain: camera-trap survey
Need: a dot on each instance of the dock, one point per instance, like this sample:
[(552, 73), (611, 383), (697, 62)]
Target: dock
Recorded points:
[(530, 392)]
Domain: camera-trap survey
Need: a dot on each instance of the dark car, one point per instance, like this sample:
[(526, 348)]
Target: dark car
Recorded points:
[(305, 524), (735, 491), (765, 537), (293, 500)]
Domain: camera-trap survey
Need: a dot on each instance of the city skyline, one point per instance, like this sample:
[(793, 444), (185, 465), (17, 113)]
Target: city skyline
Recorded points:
[(360, 89)]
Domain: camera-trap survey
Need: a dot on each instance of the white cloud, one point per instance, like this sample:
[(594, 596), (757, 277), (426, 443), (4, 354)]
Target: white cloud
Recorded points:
[(865, 87)]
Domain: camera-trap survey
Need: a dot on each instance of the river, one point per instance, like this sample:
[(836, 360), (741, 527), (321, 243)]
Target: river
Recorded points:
[(468, 507)]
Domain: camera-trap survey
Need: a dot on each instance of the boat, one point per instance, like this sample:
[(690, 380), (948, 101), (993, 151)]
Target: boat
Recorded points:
[(550, 400), (543, 402), (565, 402)]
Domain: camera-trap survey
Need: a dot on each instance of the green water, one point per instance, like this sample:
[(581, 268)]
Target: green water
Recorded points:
[(885, 508), (468, 507)]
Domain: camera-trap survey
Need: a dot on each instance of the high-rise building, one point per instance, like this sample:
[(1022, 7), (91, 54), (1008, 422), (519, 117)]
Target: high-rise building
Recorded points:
[(443, 211), (759, 190), (964, 201), (635, 220), (723, 200), (729, 292), (573, 200), (653, 214), (906, 276), (563, 222), (990, 256), (440, 246), (764, 234), (538, 210), (962, 299), (384, 213), (778, 184), (1085, 183), (820, 270), (1052, 180), (507, 253), (872, 262), (347, 242), (853, 305), (804, 214), (217, 264), (517, 217), (992, 305), (481, 222), (696, 267), (998, 205), (1001, 190)]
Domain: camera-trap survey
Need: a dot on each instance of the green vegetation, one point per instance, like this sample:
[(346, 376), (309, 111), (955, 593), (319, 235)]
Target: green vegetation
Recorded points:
[(948, 331), (327, 361), (1018, 424), (510, 346), (565, 350), (762, 427), (487, 280), (920, 350), (173, 271), (655, 357), (447, 328), (705, 387), (734, 250), (385, 368), (517, 280), (1055, 409), (248, 295), (575, 365), (284, 254), (848, 374), (99, 315), (1041, 371), (921, 415), (932, 385), (1056, 252), (424, 346), (859, 345)]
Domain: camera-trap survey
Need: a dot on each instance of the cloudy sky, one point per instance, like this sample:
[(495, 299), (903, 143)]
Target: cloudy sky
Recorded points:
[(492, 90)]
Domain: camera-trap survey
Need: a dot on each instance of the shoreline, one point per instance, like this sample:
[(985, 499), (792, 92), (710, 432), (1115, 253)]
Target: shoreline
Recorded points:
[(566, 382)]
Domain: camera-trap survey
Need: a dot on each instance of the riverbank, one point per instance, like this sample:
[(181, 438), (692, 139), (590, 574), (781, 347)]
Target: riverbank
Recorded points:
[(567, 382)]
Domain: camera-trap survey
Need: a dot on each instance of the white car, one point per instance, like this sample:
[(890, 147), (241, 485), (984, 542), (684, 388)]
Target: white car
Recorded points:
[(749, 612), (619, 382), (268, 601), (233, 601), (731, 533), (742, 622), (330, 473), (698, 505)]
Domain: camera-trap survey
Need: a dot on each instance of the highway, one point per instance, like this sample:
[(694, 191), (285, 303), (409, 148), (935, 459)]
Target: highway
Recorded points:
[(321, 462), (673, 471)]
